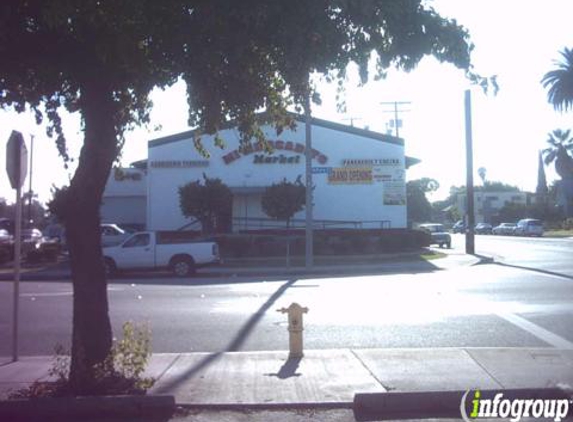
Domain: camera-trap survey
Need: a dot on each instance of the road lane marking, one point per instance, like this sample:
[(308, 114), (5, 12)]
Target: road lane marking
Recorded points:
[(539, 332)]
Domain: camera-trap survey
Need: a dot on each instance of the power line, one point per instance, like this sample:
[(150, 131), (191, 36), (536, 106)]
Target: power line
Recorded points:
[(396, 112)]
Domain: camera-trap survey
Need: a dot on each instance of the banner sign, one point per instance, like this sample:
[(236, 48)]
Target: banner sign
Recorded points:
[(350, 175)]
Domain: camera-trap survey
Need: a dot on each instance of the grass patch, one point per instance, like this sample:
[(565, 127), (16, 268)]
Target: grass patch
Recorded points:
[(429, 256), (558, 233)]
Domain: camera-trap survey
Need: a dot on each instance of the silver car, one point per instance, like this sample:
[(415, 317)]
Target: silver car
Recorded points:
[(505, 229), (529, 227)]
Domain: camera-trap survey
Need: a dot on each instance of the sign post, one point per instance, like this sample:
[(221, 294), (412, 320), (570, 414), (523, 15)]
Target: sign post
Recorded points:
[(16, 167)]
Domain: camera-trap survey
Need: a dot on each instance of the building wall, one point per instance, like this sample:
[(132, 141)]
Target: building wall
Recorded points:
[(371, 190), (125, 197), (124, 210), (488, 204)]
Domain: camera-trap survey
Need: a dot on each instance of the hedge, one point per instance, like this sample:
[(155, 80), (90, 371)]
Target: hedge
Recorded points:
[(269, 243)]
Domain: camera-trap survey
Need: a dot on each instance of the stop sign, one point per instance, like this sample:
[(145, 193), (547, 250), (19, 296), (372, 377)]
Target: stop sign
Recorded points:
[(16, 159)]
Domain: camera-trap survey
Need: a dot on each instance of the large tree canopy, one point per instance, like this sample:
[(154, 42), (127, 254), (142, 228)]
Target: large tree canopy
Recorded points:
[(102, 58), (419, 208)]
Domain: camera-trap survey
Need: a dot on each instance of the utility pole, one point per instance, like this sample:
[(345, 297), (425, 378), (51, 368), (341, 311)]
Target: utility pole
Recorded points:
[(396, 110), (31, 170), (470, 239), (308, 161)]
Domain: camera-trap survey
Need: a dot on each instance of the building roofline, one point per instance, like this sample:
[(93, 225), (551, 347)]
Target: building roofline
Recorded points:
[(366, 133)]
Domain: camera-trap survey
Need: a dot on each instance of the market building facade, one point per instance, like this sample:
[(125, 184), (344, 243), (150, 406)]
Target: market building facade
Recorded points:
[(359, 176)]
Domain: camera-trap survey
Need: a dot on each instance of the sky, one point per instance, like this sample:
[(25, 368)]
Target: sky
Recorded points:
[(516, 40)]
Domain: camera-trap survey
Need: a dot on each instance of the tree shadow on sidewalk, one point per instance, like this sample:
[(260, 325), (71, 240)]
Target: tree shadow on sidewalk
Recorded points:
[(233, 346)]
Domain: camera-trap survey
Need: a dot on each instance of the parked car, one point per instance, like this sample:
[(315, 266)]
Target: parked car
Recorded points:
[(36, 247), (459, 227), (150, 250), (505, 229), (483, 228), (6, 246), (529, 227), (55, 231), (439, 235), (31, 239), (7, 224), (112, 234)]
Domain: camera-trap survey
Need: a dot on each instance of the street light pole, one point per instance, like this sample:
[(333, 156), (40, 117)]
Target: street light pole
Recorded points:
[(31, 171), (470, 239), (308, 162)]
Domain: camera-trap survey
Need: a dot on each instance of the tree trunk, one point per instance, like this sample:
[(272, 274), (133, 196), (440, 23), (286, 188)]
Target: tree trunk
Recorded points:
[(91, 336)]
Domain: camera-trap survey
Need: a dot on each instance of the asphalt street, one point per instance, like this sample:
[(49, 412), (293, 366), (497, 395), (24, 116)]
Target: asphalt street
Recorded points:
[(520, 302)]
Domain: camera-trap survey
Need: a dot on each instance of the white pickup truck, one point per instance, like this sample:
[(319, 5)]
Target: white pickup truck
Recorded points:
[(150, 250)]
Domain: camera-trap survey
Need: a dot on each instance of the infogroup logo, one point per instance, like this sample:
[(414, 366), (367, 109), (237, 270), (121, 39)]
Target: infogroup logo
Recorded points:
[(543, 404)]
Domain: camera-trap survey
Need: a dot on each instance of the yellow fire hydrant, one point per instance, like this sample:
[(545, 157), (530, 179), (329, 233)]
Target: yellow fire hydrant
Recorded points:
[(295, 327)]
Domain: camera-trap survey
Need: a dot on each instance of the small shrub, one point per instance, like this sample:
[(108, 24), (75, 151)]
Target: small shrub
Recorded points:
[(120, 373), (128, 358)]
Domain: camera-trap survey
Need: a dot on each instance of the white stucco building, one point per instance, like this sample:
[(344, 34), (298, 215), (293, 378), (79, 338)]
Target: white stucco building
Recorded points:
[(359, 175), (488, 204), (125, 197)]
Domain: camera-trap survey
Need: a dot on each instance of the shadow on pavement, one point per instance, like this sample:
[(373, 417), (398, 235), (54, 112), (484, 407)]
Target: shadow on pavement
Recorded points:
[(483, 259), (234, 345), (288, 370), (537, 270)]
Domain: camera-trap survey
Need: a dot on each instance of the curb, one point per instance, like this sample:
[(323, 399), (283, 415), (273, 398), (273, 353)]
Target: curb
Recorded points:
[(387, 266), (80, 408), (265, 406), (435, 404), (240, 272)]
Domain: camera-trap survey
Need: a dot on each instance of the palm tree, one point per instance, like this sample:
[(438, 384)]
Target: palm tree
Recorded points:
[(560, 142), (560, 82)]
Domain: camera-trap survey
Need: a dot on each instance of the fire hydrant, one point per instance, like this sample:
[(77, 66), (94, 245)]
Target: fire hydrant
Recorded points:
[(295, 328)]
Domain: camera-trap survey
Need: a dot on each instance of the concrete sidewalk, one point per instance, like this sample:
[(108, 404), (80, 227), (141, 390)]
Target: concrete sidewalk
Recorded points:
[(329, 377)]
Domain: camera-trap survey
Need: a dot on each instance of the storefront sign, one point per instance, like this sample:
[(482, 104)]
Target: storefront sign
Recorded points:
[(122, 175), (175, 164), (277, 145), (321, 170), (394, 193), (371, 162), (276, 159), (350, 175)]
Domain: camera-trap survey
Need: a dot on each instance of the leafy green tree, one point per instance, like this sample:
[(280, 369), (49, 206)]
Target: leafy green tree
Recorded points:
[(419, 208), (102, 58), (559, 82), (211, 203), (283, 200), (560, 142)]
